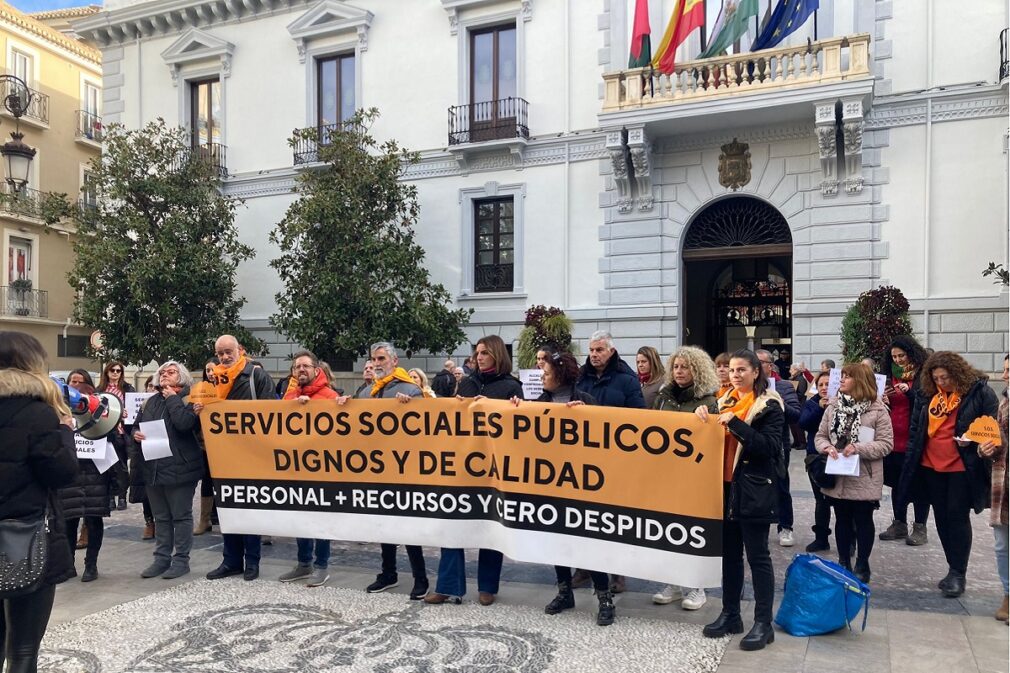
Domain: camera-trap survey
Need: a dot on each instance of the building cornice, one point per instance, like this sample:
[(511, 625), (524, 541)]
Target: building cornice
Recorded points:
[(51, 37), (952, 104), (757, 134)]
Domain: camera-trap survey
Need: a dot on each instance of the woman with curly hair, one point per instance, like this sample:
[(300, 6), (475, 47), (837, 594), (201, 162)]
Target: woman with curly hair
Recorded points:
[(691, 382), (952, 395), (650, 373), (901, 365)]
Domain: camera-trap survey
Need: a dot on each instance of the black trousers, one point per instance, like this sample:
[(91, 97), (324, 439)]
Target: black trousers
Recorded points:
[(950, 497), (785, 497), (96, 532), (601, 582), (414, 555), (854, 521), (822, 513), (738, 536), (23, 622)]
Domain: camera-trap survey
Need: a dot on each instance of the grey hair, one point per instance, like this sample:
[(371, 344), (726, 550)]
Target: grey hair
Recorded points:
[(185, 378), (602, 335), (761, 351), (384, 345)]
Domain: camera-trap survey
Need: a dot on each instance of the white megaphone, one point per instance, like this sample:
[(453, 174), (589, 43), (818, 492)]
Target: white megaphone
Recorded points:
[(97, 414)]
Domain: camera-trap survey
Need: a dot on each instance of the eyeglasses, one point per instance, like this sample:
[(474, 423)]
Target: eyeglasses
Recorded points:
[(116, 370)]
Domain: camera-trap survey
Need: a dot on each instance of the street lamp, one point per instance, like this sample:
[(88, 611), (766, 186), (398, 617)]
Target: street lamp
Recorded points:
[(15, 151)]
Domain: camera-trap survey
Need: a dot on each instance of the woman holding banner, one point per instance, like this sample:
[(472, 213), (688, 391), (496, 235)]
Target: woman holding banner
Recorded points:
[(493, 379), (561, 371), (752, 414), (691, 382)]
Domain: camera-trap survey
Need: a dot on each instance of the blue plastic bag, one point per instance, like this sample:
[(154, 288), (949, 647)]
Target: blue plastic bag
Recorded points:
[(820, 597)]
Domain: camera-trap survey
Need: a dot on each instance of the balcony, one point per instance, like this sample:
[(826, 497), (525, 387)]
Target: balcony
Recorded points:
[(309, 139), (89, 128), (490, 126), (24, 303), (37, 113), (26, 203), (786, 77), (214, 154), (1004, 56)]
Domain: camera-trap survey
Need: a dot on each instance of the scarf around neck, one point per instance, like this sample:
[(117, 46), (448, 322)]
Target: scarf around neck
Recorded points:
[(310, 390), (899, 373), (845, 425), (225, 376), (399, 374), (940, 407)]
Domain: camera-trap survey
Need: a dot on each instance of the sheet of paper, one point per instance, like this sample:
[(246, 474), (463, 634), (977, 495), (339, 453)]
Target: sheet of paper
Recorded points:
[(533, 383), (91, 449), (866, 434), (155, 444), (834, 380), (108, 461), (842, 466), (881, 384), (133, 403)]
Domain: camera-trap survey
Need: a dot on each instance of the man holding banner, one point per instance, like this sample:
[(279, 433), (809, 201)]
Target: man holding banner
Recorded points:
[(237, 379)]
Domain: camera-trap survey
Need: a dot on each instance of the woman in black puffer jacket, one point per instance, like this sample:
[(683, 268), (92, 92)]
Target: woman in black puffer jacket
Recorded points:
[(37, 456)]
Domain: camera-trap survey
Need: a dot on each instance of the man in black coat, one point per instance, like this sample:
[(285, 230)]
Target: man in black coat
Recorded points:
[(444, 382), (242, 381), (792, 413), (612, 383)]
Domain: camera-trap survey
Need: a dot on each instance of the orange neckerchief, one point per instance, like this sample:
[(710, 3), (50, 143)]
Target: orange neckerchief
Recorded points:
[(226, 376), (941, 406), (722, 391), (399, 374), (740, 405)]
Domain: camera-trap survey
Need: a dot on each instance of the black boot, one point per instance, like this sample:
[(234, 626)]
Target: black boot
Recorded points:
[(955, 587), (862, 571), (565, 600), (760, 635), (90, 572), (605, 617), (819, 544), (724, 624)]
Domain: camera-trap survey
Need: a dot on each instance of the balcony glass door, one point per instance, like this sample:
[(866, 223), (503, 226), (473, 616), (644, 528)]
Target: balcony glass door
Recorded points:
[(335, 102), (493, 68), (205, 111)]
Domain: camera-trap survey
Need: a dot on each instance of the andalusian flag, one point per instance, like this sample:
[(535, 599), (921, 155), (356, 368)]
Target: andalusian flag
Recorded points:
[(641, 44), (687, 15), (731, 25)]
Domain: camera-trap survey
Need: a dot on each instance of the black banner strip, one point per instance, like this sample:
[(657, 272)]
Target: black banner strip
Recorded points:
[(694, 536)]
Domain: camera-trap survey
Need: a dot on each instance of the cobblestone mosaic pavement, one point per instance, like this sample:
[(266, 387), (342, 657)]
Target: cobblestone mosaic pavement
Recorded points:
[(234, 626)]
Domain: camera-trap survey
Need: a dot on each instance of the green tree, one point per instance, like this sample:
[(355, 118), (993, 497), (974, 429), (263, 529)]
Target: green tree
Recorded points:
[(350, 268), (156, 257)]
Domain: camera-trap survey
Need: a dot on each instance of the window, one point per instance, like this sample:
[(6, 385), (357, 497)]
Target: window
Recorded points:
[(493, 90), (92, 94), (22, 66), (72, 346), (205, 111), (89, 195), (494, 253), (19, 259), (334, 89)]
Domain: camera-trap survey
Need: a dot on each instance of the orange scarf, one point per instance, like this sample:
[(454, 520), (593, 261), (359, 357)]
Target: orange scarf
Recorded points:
[(740, 405), (399, 374), (226, 376), (940, 407), (722, 391)]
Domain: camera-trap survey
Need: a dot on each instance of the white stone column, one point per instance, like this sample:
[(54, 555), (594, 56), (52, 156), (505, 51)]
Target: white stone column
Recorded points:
[(852, 130), (824, 127)]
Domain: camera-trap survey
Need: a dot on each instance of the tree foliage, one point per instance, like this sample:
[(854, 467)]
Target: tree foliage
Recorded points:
[(156, 258), (870, 325), (351, 271)]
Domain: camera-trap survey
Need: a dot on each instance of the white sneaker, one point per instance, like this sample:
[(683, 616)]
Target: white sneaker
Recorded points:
[(669, 594), (786, 537), (694, 599)]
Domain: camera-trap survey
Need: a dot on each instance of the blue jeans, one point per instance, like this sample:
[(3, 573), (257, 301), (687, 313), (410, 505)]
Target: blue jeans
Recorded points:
[(452, 572), (306, 546), (238, 546), (1002, 548)]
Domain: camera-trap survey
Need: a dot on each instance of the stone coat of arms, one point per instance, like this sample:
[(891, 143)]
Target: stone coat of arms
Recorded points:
[(734, 165)]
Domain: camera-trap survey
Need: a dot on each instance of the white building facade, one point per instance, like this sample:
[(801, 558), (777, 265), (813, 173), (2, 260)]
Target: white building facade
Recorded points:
[(742, 197)]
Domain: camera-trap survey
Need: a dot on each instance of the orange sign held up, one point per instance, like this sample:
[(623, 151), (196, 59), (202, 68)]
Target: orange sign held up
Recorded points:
[(203, 393), (984, 429)]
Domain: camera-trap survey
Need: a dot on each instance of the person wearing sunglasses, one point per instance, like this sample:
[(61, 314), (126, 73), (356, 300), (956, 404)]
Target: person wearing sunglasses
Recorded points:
[(113, 381)]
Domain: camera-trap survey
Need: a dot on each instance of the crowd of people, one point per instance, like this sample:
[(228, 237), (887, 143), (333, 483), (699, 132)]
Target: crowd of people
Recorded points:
[(911, 438)]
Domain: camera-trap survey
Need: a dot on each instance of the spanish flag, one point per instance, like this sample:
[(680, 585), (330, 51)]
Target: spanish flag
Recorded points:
[(687, 15)]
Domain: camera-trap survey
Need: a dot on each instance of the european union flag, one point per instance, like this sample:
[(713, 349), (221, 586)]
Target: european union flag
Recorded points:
[(787, 17)]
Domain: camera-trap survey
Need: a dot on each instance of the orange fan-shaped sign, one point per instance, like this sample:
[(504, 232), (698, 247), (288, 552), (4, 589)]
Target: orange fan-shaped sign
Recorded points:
[(203, 393), (984, 429)]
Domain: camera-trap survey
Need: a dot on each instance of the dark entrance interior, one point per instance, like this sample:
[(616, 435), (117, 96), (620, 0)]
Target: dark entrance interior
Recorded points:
[(737, 276)]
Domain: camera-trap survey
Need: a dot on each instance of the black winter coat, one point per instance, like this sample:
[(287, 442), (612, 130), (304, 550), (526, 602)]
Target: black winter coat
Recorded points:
[(264, 385), (585, 398), (444, 383), (758, 464), (186, 464), (980, 400), (617, 386), (494, 386), (89, 494), (37, 455)]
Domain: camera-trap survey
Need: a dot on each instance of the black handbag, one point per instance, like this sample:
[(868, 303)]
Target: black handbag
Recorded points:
[(816, 464), (758, 496), (24, 554)]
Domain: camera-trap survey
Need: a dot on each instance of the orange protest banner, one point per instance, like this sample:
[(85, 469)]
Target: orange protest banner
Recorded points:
[(202, 393), (984, 429)]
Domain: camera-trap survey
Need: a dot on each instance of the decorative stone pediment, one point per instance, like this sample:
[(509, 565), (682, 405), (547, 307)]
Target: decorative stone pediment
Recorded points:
[(330, 18), (454, 7), (197, 46)]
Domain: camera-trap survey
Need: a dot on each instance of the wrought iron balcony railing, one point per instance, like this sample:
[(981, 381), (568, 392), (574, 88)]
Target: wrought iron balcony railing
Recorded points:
[(491, 120), (1004, 55), (24, 203), (24, 303), (214, 154), (306, 148), (89, 126), (38, 108)]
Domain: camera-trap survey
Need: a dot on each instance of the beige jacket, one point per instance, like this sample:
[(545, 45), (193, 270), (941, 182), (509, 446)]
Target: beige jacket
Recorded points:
[(869, 485)]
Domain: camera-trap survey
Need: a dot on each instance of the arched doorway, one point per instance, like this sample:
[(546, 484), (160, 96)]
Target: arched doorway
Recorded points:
[(737, 288)]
